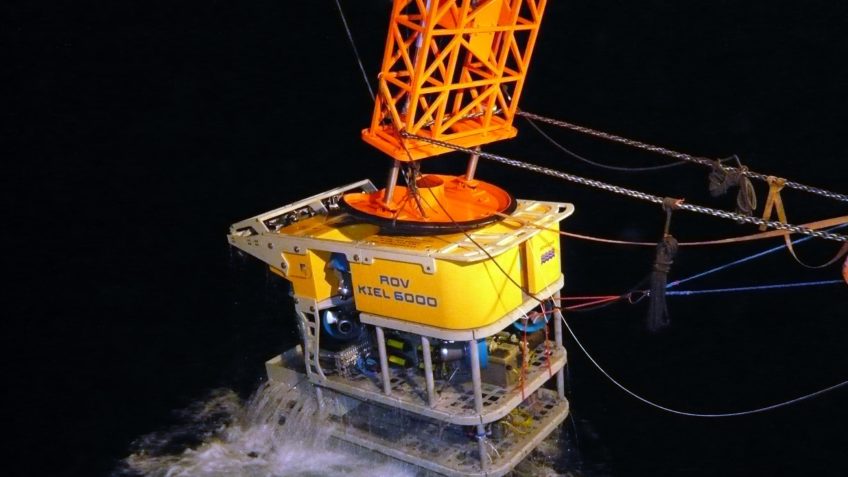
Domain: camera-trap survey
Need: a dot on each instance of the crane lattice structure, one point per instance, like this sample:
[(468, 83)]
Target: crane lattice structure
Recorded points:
[(453, 71)]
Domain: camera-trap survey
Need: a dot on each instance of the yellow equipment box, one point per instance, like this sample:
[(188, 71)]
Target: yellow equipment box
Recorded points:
[(454, 281)]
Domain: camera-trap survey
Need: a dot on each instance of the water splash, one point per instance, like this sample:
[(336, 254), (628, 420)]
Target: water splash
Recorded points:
[(274, 434), (222, 436)]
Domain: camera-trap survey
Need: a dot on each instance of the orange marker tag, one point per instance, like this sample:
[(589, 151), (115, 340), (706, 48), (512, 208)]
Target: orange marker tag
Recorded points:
[(845, 270)]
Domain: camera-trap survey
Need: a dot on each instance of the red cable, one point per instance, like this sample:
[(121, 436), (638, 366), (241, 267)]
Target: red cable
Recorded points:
[(596, 302), (598, 297)]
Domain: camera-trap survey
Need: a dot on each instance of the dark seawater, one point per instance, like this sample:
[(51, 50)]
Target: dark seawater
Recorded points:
[(137, 132)]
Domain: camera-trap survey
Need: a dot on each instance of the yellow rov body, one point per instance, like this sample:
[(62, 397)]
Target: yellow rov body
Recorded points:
[(456, 281), (423, 325)]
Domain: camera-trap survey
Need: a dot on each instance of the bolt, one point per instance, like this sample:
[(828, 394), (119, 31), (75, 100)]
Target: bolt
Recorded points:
[(284, 265), (270, 245), (296, 249), (356, 258)]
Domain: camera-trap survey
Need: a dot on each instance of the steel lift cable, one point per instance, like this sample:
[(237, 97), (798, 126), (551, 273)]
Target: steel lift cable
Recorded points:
[(679, 155), (630, 192), (630, 142)]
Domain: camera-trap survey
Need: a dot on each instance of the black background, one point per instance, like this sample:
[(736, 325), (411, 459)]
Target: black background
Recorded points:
[(138, 131)]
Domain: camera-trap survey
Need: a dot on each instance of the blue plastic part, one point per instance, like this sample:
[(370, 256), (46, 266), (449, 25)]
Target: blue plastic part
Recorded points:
[(531, 327), (534, 327), (483, 349), (484, 353), (327, 327), (339, 262), (362, 364)]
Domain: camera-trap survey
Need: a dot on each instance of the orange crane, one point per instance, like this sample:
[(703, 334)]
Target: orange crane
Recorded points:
[(452, 71)]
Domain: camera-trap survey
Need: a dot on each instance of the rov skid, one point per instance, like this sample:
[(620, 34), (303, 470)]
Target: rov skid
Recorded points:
[(438, 346)]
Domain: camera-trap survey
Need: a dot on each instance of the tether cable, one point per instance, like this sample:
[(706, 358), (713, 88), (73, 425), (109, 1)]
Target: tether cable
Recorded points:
[(704, 161), (355, 50), (695, 414), (581, 158), (774, 286)]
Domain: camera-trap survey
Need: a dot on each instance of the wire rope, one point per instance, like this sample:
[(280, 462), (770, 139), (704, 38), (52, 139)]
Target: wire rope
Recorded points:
[(679, 155), (573, 154), (634, 194), (355, 50), (695, 414)]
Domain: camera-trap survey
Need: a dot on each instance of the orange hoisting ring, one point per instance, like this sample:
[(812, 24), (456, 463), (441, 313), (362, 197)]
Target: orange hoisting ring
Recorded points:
[(436, 204)]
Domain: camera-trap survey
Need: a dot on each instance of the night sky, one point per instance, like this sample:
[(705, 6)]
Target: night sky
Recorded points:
[(136, 132)]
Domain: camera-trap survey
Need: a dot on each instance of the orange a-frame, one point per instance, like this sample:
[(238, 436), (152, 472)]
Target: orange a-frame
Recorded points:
[(453, 70)]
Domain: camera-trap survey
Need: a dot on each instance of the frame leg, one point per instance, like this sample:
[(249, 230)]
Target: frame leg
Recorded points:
[(384, 361), (428, 371)]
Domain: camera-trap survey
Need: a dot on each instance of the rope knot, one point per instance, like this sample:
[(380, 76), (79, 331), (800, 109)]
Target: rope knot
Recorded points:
[(671, 204), (722, 179), (666, 250), (777, 182)]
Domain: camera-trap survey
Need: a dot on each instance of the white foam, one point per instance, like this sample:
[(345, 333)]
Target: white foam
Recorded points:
[(238, 439)]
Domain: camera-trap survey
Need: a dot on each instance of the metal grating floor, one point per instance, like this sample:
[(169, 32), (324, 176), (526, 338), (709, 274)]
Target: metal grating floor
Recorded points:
[(445, 448)]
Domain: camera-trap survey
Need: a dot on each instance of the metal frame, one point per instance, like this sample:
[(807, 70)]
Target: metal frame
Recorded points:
[(428, 444), (453, 405), (257, 225), (445, 67)]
